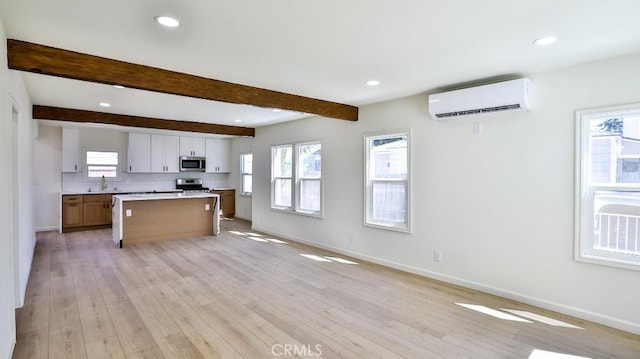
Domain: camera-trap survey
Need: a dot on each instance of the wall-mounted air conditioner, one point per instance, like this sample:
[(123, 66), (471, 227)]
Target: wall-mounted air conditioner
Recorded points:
[(500, 96)]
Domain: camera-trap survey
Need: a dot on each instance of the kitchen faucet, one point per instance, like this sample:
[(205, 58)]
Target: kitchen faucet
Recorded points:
[(103, 183)]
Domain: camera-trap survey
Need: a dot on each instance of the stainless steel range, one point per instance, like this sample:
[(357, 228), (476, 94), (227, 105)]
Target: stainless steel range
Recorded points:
[(190, 185)]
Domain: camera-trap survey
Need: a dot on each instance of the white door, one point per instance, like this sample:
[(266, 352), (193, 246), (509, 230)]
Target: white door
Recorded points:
[(70, 150), (223, 154), (192, 146), (139, 153), (171, 154), (198, 146), (157, 154)]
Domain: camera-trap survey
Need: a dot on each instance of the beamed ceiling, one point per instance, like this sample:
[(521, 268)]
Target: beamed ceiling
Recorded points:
[(257, 63)]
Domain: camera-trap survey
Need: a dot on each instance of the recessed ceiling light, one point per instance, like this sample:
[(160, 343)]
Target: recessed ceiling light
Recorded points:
[(276, 110), (167, 21), (118, 86), (105, 104), (373, 83), (238, 120), (547, 40)]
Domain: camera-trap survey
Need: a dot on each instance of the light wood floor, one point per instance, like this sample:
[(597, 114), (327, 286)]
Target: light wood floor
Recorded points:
[(237, 297)]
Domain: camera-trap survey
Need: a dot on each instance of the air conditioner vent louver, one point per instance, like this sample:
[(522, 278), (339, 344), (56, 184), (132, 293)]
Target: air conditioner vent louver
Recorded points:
[(480, 110), (501, 96)]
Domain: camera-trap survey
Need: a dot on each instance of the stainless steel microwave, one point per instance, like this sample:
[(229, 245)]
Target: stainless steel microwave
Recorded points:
[(192, 164)]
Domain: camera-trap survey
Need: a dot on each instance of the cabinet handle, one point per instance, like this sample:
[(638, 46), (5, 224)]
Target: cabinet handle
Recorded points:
[(129, 168), (72, 204), (75, 167)]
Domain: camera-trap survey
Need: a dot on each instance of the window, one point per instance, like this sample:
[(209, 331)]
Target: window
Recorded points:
[(101, 163), (608, 188), (387, 181), (246, 174), (282, 176), (309, 179), (297, 178)]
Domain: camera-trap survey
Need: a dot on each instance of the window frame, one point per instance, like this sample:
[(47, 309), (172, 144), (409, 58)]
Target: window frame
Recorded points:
[(296, 180), (368, 182), (584, 250), (86, 165), (243, 173), (299, 179)]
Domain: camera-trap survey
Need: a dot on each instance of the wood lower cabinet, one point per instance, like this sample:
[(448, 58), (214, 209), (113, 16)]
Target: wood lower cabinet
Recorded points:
[(227, 202), (96, 210), (90, 211), (72, 208)]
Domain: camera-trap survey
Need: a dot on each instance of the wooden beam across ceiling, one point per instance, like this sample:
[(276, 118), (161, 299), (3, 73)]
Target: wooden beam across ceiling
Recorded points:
[(82, 116), (40, 59)]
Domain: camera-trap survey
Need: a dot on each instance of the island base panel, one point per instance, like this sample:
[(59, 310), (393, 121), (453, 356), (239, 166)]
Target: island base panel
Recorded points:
[(167, 219)]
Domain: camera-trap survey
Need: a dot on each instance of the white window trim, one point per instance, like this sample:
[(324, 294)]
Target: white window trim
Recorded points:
[(242, 174), (583, 221), (371, 135), (86, 177), (295, 182)]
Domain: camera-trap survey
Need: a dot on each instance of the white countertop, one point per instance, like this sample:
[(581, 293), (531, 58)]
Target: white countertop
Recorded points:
[(154, 196), (117, 191)]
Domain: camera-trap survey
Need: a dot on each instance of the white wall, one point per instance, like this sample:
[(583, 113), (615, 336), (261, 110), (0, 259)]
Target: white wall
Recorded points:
[(498, 205), (239, 146), (47, 153)]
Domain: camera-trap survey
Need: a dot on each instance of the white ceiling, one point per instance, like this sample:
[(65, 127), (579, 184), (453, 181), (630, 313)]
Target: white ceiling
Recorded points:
[(324, 49)]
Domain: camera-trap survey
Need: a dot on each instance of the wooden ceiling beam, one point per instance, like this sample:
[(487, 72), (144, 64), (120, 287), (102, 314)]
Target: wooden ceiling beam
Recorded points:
[(82, 116), (40, 59)]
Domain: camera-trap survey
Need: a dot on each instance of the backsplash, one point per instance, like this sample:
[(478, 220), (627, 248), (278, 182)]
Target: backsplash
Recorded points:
[(142, 182)]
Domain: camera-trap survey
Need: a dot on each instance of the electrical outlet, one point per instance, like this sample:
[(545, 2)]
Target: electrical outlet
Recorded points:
[(206, 207), (477, 128), (437, 256), (128, 213)]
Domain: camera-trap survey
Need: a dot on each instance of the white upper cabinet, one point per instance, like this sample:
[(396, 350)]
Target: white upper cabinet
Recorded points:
[(218, 155), (139, 153), (192, 146), (171, 153), (164, 153), (70, 150)]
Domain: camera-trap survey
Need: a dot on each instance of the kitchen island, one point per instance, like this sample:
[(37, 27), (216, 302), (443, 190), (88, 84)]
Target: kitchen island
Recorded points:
[(139, 218)]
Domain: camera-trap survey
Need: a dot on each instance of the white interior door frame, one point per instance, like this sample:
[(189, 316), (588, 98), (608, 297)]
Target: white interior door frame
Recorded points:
[(15, 196)]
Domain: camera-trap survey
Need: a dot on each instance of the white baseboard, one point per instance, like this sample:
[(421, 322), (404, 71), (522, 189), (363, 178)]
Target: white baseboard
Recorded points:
[(11, 348), (538, 302), (48, 228), (242, 217)]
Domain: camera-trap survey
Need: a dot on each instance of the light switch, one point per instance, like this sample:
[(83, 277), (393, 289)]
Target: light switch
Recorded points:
[(128, 213), (207, 207)]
